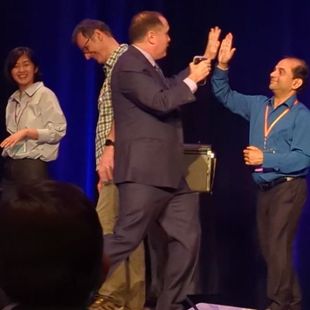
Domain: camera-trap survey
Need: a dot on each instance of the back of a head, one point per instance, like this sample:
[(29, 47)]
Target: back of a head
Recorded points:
[(301, 71), (143, 22), (51, 246)]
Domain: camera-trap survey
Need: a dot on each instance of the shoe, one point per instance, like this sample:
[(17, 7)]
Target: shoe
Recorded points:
[(101, 302), (97, 303)]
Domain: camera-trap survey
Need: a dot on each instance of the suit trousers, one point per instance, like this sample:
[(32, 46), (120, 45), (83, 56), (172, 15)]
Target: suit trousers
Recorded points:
[(125, 287), (176, 210), (278, 212)]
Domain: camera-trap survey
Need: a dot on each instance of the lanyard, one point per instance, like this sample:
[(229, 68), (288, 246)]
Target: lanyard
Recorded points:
[(267, 129), (18, 114)]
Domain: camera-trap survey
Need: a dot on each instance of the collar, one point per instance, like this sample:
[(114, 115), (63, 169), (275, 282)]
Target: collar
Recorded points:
[(289, 102), (146, 55), (108, 65), (29, 91)]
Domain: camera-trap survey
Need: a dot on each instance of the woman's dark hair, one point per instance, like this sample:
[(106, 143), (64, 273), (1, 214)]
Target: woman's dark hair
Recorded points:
[(12, 59)]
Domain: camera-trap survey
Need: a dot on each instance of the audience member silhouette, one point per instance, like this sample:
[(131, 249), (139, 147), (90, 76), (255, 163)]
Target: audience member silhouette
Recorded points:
[(51, 247)]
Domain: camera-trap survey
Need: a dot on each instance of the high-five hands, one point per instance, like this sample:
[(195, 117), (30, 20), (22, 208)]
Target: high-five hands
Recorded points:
[(213, 43), (223, 50), (226, 52)]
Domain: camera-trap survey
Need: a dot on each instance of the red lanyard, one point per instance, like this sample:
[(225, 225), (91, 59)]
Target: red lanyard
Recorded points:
[(267, 129)]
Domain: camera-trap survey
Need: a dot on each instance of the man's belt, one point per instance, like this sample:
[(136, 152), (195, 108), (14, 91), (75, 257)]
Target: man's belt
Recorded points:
[(268, 185)]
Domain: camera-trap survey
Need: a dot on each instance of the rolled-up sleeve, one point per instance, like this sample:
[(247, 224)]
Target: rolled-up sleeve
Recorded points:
[(53, 120)]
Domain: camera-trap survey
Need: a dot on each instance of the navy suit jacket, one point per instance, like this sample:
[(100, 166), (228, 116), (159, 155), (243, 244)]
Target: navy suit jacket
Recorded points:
[(148, 128)]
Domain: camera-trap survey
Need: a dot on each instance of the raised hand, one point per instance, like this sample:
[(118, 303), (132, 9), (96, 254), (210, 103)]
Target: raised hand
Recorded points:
[(226, 51), (213, 43)]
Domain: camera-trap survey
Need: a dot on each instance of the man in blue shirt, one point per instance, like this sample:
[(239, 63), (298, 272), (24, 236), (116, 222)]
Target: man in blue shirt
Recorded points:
[(279, 155)]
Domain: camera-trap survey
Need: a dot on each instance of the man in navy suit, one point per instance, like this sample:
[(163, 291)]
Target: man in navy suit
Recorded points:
[(148, 167)]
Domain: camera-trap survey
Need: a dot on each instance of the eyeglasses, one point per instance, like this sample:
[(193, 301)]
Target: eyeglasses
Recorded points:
[(85, 48)]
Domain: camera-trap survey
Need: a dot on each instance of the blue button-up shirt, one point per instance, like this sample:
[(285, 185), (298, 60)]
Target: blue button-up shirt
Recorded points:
[(287, 147)]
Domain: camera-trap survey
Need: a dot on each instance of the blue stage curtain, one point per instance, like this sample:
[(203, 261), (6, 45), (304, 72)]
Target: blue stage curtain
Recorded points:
[(265, 31), (46, 26)]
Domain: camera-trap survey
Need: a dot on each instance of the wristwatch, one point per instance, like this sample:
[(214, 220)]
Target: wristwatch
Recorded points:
[(109, 142)]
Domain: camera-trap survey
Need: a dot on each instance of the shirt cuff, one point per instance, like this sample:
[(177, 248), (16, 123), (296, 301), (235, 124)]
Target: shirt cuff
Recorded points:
[(191, 84), (44, 135), (221, 68), (270, 161)]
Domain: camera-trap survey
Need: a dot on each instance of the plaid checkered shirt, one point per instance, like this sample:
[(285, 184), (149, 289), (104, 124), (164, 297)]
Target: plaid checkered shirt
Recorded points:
[(105, 117)]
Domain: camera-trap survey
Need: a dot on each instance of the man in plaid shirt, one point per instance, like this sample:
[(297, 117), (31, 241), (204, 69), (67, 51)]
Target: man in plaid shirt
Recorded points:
[(125, 288)]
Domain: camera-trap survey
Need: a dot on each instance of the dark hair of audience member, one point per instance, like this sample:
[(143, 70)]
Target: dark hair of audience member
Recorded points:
[(51, 247)]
